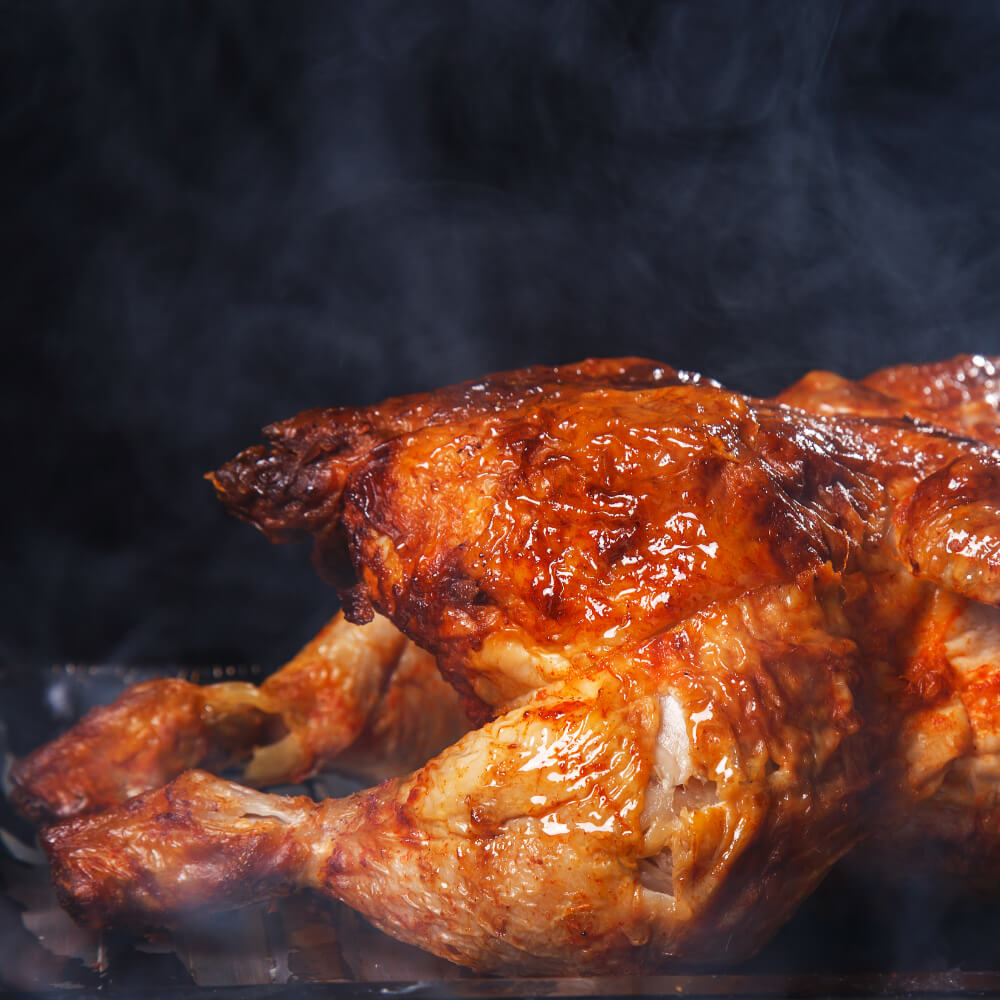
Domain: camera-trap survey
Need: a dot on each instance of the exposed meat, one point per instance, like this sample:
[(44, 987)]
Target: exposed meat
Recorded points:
[(715, 642), (364, 699)]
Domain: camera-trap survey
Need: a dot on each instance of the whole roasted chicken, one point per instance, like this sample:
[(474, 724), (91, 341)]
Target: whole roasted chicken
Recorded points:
[(710, 643)]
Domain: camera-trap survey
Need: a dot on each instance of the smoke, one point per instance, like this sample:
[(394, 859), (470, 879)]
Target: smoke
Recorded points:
[(217, 214)]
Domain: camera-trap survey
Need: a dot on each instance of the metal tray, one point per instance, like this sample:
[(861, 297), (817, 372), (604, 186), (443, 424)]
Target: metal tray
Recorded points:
[(851, 938)]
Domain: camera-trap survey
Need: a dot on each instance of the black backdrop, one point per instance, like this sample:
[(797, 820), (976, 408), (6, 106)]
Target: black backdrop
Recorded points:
[(215, 214)]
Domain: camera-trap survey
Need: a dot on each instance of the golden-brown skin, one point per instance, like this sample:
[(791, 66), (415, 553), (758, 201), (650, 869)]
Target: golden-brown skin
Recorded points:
[(719, 641), (949, 678), (961, 394), (318, 708), (294, 484), (566, 526), (149, 734), (363, 698), (530, 845), (155, 731)]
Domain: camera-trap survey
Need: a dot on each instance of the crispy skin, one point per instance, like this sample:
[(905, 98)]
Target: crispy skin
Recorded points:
[(322, 698), (950, 673), (361, 698), (961, 394), (293, 485), (529, 846), (718, 642), (515, 544), (151, 733)]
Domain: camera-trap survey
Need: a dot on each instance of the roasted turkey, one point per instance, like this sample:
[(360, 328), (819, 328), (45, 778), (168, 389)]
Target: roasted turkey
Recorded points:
[(711, 644)]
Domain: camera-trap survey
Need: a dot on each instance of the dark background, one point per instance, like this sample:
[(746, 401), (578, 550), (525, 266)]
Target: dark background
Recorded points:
[(217, 214)]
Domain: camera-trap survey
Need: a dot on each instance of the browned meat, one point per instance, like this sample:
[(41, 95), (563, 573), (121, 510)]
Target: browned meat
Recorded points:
[(962, 394), (718, 641), (594, 828), (570, 526), (951, 672), (294, 484), (365, 699)]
